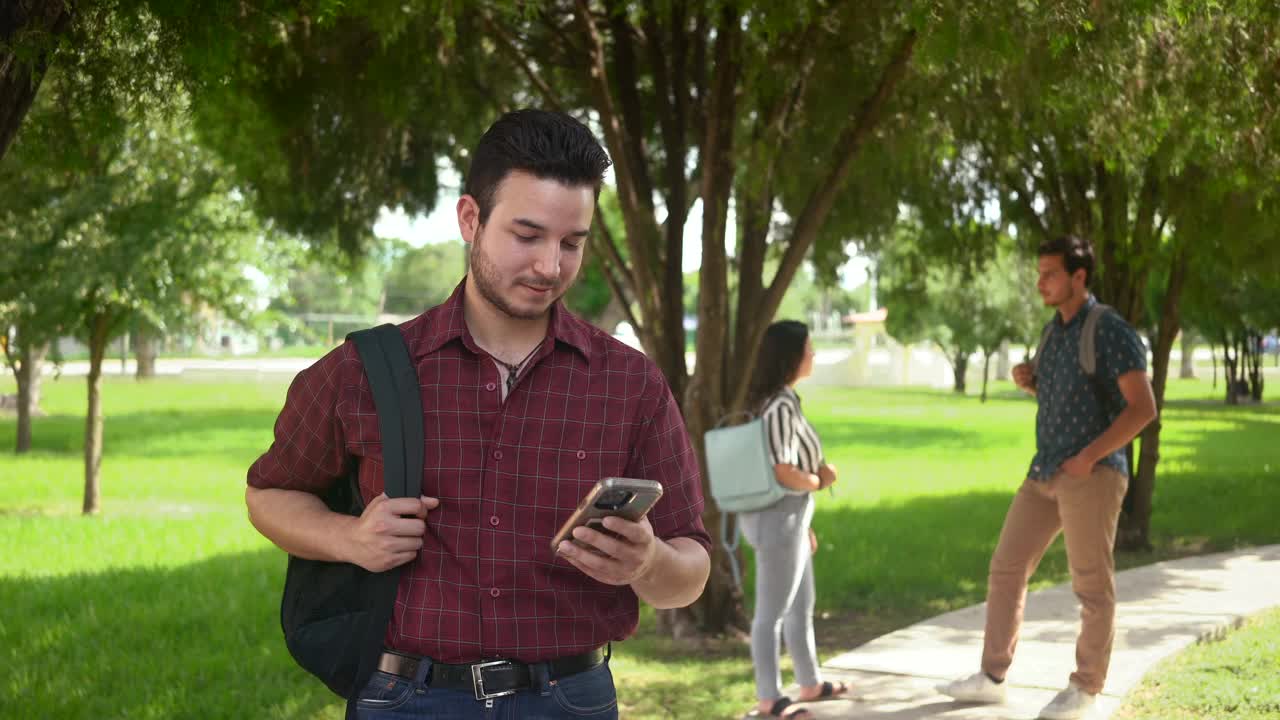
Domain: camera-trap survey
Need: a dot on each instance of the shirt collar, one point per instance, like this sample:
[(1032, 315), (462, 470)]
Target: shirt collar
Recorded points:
[(447, 322), (1080, 315), (788, 391)]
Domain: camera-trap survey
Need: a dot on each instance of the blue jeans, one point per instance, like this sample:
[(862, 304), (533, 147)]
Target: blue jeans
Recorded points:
[(587, 694)]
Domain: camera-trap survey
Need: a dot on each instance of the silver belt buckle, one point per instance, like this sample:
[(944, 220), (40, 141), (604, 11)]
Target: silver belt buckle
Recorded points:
[(477, 680)]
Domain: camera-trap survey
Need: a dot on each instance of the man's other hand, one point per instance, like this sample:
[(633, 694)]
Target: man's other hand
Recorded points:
[(1024, 378), (389, 532)]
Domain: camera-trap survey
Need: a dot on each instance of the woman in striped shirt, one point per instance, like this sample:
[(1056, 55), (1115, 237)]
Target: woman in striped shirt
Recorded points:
[(780, 534)]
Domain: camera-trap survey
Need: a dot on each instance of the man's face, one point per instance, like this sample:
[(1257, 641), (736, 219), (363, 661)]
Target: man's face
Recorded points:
[(528, 253), (1055, 285)]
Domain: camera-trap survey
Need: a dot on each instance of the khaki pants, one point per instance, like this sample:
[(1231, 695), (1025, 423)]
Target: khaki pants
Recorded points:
[(1085, 510)]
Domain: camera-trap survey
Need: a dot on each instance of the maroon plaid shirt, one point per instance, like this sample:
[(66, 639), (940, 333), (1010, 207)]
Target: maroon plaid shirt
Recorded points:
[(486, 583)]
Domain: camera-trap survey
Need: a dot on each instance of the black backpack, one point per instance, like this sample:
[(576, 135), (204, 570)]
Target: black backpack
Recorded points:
[(335, 615)]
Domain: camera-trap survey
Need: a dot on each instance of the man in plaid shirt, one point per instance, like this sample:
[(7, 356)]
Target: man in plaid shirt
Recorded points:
[(525, 408)]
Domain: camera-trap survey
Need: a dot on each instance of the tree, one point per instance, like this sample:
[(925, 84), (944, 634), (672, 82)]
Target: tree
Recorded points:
[(962, 308), (28, 328), (328, 112), (108, 50), (29, 31), (116, 42), (422, 277), (139, 226), (45, 199), (1233, 294)]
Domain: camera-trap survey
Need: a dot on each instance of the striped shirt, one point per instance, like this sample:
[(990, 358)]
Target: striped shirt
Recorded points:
[(792, 440)]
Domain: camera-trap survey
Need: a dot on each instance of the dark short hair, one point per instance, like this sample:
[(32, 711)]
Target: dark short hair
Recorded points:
[(1076, 252), (781, 354), (547, 145)]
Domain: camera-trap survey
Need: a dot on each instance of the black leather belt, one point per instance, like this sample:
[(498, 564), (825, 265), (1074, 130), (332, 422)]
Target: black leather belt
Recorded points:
[(488, 678)]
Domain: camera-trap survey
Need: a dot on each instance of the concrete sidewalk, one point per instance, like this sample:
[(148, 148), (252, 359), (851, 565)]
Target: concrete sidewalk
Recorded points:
[(1162, 609)]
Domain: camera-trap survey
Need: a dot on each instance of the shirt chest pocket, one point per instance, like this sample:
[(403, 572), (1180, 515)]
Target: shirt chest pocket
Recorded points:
[(582, 451)]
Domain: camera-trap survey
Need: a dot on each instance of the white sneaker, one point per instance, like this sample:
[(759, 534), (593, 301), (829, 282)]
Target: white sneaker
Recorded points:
[(1069, 704), (977, 688)]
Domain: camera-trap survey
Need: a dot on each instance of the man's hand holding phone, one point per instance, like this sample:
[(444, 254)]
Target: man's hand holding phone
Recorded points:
[(608, 536), (619, 557)]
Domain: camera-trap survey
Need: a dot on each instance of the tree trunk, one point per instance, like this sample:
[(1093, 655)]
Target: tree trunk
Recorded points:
[(144, 350), (35, 25), (1188, 357), (720, 607), (98, 336), (986, 367), (959, 367), (27, 373), (1253, 360), (1134, 532), (1213, 359), (1229, 368), (1003, 364)]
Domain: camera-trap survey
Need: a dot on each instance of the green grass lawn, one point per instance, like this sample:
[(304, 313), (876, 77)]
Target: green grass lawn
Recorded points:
[(166, 605), (1236, 677)]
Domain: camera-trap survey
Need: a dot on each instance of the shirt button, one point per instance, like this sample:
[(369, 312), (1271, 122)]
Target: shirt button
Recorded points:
[(494, 592), (582, 454), (493, 520), (497, 454), (491, 387)]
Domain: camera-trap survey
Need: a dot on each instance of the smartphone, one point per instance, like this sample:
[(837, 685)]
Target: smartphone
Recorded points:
[(625, 497)]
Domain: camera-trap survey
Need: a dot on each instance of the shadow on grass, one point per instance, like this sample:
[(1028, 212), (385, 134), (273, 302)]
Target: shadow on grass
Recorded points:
[(158, 434), (887, 566), (899, 393), (850, 431), (899, 562), (199, 641)]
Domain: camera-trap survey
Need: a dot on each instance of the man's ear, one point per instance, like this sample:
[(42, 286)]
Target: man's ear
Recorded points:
[(468, 217)]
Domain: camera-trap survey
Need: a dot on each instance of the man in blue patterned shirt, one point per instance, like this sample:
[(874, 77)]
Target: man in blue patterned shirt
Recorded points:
[(1076, 482)]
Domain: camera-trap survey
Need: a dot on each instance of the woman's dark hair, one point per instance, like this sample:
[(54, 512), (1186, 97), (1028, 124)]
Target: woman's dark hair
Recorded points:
[(1076, 252), (547, 145), (781, 354)]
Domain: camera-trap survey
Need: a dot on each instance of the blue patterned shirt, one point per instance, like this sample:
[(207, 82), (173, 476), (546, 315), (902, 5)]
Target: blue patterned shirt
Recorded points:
[(1070, 415)]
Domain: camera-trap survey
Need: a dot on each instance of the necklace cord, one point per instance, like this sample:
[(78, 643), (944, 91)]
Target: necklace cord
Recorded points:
[(513, 371)]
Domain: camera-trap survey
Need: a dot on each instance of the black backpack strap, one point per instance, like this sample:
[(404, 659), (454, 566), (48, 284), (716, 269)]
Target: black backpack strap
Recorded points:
[(393, 382)]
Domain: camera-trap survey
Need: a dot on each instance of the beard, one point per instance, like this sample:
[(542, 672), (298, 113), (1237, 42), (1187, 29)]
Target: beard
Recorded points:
[(489, 282), (1059, 300)]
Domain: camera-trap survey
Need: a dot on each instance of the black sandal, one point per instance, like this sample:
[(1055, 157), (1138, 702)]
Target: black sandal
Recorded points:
[(780, 705), (829, 691)]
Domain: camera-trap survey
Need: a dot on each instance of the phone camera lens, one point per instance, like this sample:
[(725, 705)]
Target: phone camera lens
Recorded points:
[(614, 499)]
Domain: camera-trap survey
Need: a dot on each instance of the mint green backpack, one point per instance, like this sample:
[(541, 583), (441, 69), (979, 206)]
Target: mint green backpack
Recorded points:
[(740, 471)]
